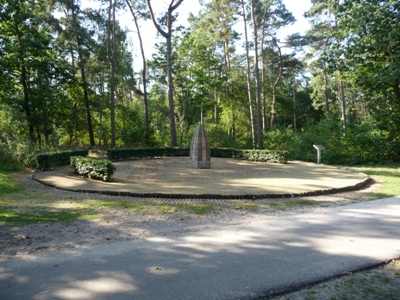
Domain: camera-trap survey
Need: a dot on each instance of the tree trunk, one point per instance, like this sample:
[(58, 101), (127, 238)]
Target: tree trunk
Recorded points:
[(342, 101), (326, 92), (84, 83), (257, 77), (249, 91), (144, 76), (112, 55), (170, 84), (274, 87), (24, 82), (396, 89), (294, 103), (27, 105), (168, 36)]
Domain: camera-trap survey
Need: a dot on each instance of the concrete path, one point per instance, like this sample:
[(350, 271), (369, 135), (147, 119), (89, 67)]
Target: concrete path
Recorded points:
[(242, 261)]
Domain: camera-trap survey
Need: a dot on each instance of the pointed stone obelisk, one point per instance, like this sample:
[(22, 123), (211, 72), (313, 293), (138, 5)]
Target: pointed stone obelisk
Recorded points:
[(200, 150)]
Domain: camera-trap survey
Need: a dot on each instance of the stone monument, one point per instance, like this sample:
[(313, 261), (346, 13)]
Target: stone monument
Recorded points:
[(200, 150)]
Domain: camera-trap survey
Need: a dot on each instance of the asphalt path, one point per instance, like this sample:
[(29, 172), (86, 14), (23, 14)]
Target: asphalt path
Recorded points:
[(247, 260)]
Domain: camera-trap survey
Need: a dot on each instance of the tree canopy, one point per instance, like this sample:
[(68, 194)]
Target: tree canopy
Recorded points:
[(67, 76)]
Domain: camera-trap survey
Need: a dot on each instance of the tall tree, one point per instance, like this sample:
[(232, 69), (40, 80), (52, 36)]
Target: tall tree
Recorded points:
[(248, 74), (272, 16), (371, 30), (320, 37), (79, 40), (32, 65), (112, 57), (168, 36), (257, 76), (219, 20), (137, 9)]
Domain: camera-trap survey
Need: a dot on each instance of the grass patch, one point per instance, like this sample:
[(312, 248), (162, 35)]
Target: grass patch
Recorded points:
[(390, 178), (8, 183), (135, 206), (247, 206), (7, 178), (147, 206), (293, 204), (13, 217), (380, 283)]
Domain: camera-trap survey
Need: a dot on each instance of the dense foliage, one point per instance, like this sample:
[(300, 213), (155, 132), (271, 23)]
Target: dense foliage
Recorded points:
[(93, 168), (50, 160), (67, 78)]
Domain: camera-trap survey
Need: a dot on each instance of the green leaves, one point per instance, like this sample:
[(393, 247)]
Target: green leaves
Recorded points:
[(370, 32), (92, 167)]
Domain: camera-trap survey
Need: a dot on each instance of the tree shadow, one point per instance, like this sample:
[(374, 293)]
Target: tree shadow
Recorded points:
[(256, 258)]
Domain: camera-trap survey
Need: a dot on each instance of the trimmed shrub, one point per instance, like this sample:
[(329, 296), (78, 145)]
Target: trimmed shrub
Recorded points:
[(47, 161), (93, 168), (145, 153), (272, 156)]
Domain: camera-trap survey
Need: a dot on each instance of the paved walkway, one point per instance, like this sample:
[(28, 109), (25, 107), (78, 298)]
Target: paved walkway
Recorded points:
[(248, 260), (228, 178)]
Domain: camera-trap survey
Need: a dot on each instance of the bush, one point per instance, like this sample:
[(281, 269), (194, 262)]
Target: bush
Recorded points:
[(20, 153), (50, 160), (92, 167), (272, 156), (145, 153)]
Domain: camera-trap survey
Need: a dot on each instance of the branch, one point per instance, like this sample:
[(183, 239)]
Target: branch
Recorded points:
[(278, 78), (173, 7), (158, 27)]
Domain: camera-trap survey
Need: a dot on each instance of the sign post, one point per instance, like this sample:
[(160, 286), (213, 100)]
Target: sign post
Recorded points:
[(319, 149)]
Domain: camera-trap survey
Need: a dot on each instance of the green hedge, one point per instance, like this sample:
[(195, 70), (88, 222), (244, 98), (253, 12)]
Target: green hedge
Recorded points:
[(144, 153), (280, 157), (50, 160), (92, 167)]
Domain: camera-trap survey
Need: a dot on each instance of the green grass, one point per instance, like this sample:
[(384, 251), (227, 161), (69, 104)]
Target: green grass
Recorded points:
[(12, 216), (21, 208), (293, 204), (390, 178), (147, 206), (247, 206), (8, 183), (380, 283)]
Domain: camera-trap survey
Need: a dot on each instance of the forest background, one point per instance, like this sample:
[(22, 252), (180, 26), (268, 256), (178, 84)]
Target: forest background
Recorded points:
[(67, 78)]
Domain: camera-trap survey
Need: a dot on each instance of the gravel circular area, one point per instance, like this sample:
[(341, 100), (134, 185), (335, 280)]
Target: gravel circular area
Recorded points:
[(227, 179)]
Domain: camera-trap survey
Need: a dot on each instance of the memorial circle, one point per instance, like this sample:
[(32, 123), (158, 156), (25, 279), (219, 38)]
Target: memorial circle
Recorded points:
[(171, 177)]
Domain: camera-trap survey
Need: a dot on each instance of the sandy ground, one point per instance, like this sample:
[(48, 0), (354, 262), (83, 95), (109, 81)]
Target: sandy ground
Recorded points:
[(226, 177)]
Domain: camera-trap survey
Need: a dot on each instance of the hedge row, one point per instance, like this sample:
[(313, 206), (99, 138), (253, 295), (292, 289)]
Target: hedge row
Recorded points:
[(92, 167), (144, 153), (51, 160), (255, 155), (272, 156), (47, 161)]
